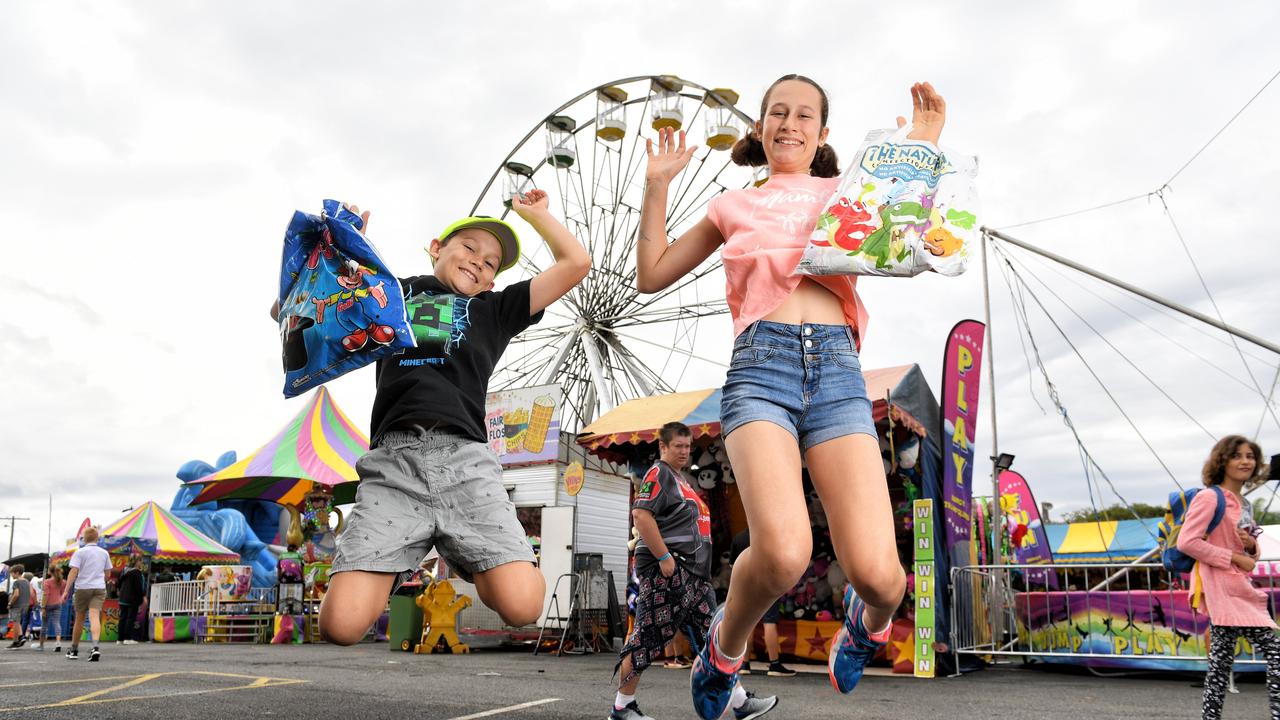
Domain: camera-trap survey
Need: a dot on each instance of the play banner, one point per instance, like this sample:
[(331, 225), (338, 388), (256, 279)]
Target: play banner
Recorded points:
[(926, 620), (523, 424), (961, 380), (1024, 529)]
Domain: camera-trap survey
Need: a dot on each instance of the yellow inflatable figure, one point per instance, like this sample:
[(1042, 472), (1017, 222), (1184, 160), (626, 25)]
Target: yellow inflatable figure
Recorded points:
[(440, 607)]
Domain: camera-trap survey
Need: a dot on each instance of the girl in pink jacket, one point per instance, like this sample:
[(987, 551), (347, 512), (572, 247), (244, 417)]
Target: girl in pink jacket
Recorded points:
[(1227, 556)]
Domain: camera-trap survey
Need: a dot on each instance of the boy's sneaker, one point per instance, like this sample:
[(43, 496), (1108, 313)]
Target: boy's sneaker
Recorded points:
[(711, 687), (73, 654), (777, 669), (130, 642), (851, 648), (630, 712), (754, 707), (94, 655), (677, 663), (746, 668), (57, 649)]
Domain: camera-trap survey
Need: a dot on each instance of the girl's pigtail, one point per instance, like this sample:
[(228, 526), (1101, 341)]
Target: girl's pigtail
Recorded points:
[(748, 151)]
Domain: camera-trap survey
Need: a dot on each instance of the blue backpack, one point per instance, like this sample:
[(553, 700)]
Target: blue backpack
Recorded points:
[(1171, 557)]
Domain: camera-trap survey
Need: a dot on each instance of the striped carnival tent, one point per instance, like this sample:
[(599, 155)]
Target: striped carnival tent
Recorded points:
[(319, 446), (1102, 542), (174, 541)]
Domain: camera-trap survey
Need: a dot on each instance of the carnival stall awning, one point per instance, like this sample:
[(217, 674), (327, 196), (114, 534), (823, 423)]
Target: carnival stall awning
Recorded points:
[(638, 421), (1102, 542), (156, 532), (319, 446)]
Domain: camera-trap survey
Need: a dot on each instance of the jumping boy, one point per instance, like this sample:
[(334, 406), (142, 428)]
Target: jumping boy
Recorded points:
[(429, 479)]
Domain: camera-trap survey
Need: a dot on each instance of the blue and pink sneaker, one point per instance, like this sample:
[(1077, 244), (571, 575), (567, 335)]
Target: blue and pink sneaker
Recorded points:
[(712, 687), (852, 647)]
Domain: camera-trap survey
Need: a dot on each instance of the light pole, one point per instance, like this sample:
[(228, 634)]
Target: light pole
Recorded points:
[(13, 521)]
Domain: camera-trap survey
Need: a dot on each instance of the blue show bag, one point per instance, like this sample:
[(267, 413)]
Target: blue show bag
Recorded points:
[(1171, 557), (340, 307)]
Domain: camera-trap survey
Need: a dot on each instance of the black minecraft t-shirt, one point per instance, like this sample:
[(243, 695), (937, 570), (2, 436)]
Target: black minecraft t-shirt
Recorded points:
[(683, 519), (446, 377)]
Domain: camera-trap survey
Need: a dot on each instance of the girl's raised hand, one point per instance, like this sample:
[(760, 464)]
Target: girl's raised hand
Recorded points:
[(670, 158), (928, 113), (530, 202)]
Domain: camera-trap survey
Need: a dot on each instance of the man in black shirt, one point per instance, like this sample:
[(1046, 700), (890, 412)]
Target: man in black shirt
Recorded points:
[(429, 479), (673, 566)]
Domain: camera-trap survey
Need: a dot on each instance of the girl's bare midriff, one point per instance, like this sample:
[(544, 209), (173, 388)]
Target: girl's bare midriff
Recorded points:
[(809, 303)]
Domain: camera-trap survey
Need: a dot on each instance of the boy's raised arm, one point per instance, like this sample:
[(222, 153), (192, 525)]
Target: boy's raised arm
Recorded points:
[(573, 262)]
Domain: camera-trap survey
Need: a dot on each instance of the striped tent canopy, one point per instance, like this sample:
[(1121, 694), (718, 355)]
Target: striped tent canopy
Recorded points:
[(319, 446), (151, 526), (1102, 542), (638, 421)]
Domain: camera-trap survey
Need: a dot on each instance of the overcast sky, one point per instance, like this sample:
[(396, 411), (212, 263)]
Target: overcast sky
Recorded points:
[(151, 155)]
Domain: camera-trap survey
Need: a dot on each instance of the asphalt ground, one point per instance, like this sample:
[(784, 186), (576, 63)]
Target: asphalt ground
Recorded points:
[(168, 681)]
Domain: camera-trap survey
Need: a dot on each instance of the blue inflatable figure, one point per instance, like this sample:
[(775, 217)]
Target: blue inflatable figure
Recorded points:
[(244, 526)]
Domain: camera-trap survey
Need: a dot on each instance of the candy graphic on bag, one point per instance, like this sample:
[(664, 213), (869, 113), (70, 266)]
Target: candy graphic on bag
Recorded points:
[(901, 208), (340, 307)]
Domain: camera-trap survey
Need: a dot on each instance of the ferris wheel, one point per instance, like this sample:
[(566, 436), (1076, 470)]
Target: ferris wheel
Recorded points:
[(604, 342)]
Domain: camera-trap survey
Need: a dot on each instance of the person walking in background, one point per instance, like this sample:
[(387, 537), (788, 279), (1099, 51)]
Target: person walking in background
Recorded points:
[(1225, 558), (673, 566), (19, 604), (131, 589), (88, 574), (51, 607)]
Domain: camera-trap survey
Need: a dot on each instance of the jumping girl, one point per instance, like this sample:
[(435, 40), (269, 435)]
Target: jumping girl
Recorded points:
[(794, 391)]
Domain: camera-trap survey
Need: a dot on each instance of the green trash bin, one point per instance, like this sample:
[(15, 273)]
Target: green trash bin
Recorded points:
[(405, 627)]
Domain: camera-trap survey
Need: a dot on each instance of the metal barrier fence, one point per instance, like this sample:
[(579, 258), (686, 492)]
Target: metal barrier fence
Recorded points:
[(1108, 614), (183, 597)]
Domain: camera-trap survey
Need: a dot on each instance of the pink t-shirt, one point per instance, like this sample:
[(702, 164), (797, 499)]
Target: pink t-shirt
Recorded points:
[(765, 230)]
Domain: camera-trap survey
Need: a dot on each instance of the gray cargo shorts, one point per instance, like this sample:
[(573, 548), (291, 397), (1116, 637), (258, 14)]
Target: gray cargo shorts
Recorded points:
[(421, 489)]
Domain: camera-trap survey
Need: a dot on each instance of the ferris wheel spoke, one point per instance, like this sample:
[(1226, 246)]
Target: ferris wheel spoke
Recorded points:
[(690, 353), (650, 382), (657, 316), (689, 280)]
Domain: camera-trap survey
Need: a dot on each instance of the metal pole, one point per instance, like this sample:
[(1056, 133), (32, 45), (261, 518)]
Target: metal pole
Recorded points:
[(13, 522), (1131, 288), (988, 360), (1145, 557)]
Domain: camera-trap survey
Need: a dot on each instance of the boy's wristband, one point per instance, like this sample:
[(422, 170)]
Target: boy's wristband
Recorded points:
[(664, 557)]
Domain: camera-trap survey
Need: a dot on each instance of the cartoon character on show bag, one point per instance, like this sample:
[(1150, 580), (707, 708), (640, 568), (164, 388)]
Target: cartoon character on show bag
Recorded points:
[(348, 303)]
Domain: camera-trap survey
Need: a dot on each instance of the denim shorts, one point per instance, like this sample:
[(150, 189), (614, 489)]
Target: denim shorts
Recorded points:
[(425, 489), (805, 379)]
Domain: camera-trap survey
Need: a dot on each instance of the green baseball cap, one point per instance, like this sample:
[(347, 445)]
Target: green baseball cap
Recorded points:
[(506, 235)]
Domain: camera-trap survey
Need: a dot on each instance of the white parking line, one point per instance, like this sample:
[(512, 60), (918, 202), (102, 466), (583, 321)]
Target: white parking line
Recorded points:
[(509, 708)]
